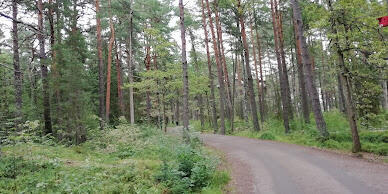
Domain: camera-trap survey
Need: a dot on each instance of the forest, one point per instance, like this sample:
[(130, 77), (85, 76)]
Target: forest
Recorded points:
[(130, 96)]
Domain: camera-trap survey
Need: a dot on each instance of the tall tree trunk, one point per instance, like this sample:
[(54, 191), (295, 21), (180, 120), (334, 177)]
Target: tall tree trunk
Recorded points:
[(16, 65), (108, 76), (223, 61), (244, 102), (346, 82), (219, 70), (119, 81), (209, 65), (101, 89), (282, 77), (196, 65), (302, 83), (54, 60), (251, 92), (256, 71), (262, 95), (185, 74), (283, 58), (130, 66), (43, 66), (306, 60), (385, 94)]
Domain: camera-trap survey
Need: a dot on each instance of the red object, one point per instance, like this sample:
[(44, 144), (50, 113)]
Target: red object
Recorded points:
[(383, 21)]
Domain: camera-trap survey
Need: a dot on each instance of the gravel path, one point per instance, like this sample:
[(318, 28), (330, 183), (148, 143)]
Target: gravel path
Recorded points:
[(272, 167)]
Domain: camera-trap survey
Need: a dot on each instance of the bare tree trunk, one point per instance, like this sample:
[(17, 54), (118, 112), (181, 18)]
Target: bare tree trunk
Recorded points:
[(16, 65), (199, 96), (101, 107), (282, 77), (306, 60), (130, 66), (119, 81), (245, 105), (108, 76), (177, 112), (302, 83), (261, 93), (219, 71), (385, 94), (341, 97), (185, 74), (223, 61), (211, 78), (248, 70), (43, 66), (256, 69)]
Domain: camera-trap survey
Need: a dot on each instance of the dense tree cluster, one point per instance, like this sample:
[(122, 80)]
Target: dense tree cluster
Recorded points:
[(247, 60)]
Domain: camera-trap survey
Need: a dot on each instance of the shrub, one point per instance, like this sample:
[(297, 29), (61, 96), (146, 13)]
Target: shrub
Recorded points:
[(267, 136)]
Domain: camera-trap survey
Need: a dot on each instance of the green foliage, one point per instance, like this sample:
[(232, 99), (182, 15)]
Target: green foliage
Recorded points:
[(128, 159), (267, 136)]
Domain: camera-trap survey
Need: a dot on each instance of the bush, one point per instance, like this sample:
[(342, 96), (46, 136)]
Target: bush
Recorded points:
[(267, 136)]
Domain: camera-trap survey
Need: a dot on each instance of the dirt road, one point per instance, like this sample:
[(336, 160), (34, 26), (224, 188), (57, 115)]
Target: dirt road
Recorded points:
[(271, 167)]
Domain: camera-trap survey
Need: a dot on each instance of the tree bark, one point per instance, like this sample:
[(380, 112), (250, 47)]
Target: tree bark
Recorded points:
[(219, 71), (209, 65), (259, 91), (306, 60), (223, 61), (108, 76), (16, 65), (101, 89), (302, 83), (130, 66), (251, 93), (282, 78), (196, 65), (185, 74), (43, 66), (119, 81), (346, 82), (262, 95), (283, 58)]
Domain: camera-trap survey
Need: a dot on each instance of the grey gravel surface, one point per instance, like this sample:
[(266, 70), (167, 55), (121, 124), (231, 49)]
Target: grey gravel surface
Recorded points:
[(271, 167)]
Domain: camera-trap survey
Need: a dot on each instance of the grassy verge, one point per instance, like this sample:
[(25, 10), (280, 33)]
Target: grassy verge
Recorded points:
[(127, 159), (373, 141)]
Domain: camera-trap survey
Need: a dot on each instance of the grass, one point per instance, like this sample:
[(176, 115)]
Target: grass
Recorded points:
[(127, 159), (373, 141)]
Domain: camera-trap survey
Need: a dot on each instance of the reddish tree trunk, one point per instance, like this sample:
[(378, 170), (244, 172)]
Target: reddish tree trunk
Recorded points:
[(251, 93), (219, 70), (282, 78), (108, 76), (302, 84), (306, 60), (209, 65), (101, 107), (223, 61)]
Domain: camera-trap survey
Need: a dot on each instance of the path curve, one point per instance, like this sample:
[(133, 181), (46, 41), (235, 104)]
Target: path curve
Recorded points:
[(272, 167)]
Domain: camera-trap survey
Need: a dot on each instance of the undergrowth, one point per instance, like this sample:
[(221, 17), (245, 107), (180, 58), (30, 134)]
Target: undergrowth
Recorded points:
[(124, 159)]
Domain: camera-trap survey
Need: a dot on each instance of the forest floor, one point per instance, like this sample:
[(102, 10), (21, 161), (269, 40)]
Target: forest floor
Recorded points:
[(123, 159), (261, 166)]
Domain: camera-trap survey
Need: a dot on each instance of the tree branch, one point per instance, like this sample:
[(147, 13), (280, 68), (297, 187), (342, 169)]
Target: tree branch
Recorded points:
[(32, 27)]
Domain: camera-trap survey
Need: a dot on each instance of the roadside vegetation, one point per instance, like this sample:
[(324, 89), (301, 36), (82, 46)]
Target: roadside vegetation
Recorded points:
[(123, 159), (374, 138)]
